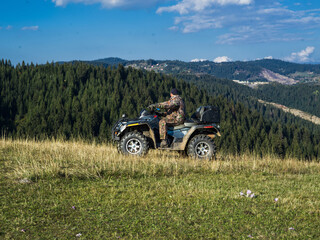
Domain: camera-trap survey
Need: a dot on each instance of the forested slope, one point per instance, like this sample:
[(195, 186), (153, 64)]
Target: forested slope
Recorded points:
[(81, 100), (305, 97)]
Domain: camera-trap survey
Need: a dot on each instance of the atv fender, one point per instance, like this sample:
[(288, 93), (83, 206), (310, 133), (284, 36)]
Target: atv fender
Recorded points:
[(210, 131), (144, 128)]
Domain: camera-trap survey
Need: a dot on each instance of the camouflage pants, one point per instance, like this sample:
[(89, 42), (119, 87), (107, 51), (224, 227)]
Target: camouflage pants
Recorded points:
[(171, 119)]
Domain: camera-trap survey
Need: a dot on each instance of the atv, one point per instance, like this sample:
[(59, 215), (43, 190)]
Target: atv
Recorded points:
[(194, 138)]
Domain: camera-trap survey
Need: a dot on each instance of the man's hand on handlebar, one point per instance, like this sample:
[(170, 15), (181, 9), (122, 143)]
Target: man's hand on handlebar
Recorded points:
[(154, 108), (161, 114)]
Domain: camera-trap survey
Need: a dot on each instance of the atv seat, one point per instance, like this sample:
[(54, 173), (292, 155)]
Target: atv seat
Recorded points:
[(186, 124), (176, 127)]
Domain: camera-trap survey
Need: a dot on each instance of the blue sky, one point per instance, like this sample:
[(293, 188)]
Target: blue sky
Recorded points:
[(217, 30)]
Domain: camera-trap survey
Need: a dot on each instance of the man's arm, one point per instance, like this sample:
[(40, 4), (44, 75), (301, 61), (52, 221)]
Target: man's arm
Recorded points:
[(171, 104)]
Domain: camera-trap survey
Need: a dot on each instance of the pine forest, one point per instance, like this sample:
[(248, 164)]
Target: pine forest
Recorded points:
[(79, 100)]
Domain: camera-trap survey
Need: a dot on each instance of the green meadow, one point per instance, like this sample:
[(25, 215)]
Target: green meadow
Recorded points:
[(76, 190)]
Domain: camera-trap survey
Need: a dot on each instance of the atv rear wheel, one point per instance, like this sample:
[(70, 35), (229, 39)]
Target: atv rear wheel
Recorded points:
[(201, 147), (133, 143)]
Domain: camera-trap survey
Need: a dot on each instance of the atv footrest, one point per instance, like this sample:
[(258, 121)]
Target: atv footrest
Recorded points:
[(165, 148)]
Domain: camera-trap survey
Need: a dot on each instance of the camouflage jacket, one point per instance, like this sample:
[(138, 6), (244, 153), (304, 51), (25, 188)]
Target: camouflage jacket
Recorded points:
[(174, 106)]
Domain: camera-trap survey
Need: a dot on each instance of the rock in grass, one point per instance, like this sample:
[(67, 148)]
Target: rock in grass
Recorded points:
[(25, 181)]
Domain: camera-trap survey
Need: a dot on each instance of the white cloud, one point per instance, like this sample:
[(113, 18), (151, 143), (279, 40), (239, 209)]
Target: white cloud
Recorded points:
[(302, 56), (222, 59), (199, 60), (32, 28), (186, 6), (266, 34), (248, 21), (174, 28), (268, 57), (302, 20), (110, 3), (7, 27), (197, 22), (275, 11)]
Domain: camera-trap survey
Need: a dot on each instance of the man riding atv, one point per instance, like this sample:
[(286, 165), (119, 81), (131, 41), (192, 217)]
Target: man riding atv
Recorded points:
[(193, 137), (174, 115)]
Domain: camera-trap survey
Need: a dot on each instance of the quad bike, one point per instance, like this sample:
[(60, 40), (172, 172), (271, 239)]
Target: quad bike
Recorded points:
[(193, 138)]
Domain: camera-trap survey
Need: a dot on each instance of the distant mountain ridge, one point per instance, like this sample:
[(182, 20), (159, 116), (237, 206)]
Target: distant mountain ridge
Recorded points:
[(265, 70)]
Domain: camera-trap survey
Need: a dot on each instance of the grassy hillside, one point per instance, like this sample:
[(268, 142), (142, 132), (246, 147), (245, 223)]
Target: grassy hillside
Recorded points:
[(67, 190)]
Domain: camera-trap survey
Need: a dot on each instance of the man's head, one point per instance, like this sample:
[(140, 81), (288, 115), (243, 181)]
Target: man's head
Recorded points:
[(174, 91)]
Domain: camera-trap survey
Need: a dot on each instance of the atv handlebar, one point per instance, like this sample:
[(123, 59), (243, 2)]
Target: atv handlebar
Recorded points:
[(157, 112), (161, 114)]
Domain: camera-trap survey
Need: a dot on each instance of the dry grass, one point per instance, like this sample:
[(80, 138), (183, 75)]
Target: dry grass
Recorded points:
[(32, 159), (90, 189)]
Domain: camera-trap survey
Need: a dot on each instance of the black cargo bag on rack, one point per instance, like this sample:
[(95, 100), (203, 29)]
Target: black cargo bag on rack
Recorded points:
[(207, 114)]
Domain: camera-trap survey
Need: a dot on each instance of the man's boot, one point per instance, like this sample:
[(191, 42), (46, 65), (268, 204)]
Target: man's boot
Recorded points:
[(164, 143)]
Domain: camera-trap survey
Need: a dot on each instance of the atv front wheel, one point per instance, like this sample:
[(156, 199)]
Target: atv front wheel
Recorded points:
[(201, 147), (133, 143)]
